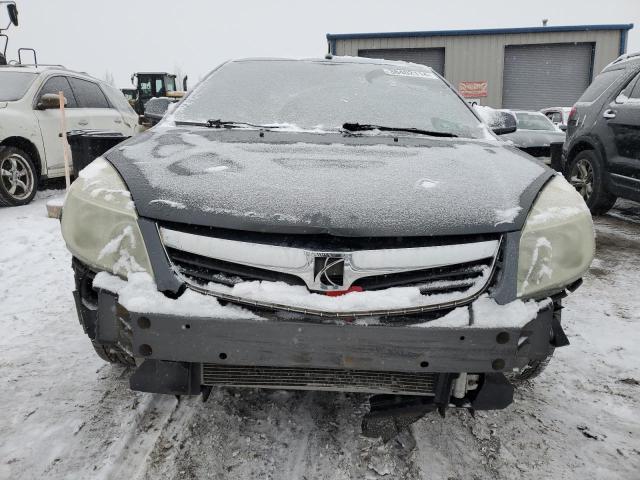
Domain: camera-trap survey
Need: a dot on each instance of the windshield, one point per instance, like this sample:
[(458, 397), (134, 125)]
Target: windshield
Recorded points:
[(534, 121), (171, 84), (601, 83), (324, 95), (15, 85)]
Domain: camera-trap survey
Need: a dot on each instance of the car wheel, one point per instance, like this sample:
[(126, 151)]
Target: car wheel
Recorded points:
[(113, 354), (18, 177), (586, 174)]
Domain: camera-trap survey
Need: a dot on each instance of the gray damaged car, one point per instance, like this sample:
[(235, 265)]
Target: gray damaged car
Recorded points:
[(334, 224)]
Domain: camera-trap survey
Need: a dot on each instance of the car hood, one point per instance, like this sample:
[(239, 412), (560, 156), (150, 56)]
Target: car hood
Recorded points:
[(309, 183), (534, 138)]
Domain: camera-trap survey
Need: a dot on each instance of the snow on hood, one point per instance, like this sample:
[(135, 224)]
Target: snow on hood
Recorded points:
[(309, 183)]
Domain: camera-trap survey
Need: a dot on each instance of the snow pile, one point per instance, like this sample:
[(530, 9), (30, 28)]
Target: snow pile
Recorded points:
[(540, 263), (299, 296), (489, 314), (508, 215), (168, 203), (489, 115), (140, 294), (119, 250)]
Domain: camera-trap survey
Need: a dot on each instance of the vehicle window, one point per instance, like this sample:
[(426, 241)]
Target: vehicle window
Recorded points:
[(160, 92), (88, 94), (555, 117), (60, 84), (118, 99), (600, 84), (325, 95), (171, 84), (15, 85), (144, 84), (534, 121), (635, 93)]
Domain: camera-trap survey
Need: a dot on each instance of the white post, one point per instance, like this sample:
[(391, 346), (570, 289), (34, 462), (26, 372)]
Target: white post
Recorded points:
[(65, 144)]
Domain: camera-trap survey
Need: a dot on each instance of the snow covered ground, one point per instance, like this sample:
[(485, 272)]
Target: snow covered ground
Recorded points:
[(66, 414)]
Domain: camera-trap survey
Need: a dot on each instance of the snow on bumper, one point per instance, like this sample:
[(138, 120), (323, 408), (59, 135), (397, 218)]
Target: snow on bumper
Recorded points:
[(482, 337)]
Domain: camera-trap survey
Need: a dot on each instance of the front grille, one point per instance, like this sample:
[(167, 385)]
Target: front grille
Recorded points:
[(447, 279), (204, 269), (363, 381), (447, 275)]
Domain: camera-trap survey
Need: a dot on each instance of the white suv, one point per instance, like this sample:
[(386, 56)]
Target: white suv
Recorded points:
[(30, 144)]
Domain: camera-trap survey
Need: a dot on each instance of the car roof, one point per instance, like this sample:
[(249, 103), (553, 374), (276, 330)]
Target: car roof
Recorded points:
[(154, 73), (334, 59), (49, 69), (628, 60)]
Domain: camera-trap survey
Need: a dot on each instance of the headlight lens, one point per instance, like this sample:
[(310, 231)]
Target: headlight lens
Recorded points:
[(100, 224), (558, 241)]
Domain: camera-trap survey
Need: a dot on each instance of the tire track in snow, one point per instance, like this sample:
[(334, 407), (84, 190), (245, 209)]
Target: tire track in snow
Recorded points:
[(296, 463), (127, 458)]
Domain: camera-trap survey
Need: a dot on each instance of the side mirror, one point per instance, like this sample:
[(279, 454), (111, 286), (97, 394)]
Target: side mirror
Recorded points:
[(503, 122), (13, 13), (49, 101), (562, 127), (622, 98)]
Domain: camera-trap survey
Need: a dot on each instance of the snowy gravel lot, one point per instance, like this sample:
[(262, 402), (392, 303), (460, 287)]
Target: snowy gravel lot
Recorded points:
[(66, 414)]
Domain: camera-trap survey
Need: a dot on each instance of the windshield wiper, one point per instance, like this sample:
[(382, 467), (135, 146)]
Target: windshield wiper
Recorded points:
[(223, 124), (357, 127)]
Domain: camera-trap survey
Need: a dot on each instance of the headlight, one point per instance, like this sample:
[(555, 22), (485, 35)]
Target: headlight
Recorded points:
[(557, 243), (100, 224)]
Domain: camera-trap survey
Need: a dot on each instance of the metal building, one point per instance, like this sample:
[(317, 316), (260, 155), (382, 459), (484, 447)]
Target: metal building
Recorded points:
[(519, 68)]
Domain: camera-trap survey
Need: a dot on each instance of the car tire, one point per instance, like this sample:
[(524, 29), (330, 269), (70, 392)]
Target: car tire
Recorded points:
[(529, 372), (586, 174), (113, 354), (18, 177)]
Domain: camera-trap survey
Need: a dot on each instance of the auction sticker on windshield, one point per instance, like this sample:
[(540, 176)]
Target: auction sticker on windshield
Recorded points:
[(409, 73)]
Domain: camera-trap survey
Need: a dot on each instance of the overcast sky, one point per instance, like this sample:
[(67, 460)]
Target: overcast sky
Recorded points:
[(194, 36)]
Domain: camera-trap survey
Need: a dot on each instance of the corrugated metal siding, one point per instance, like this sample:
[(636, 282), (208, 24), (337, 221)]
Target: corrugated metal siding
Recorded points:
[(539, 76), (432, 57), (481, 57)]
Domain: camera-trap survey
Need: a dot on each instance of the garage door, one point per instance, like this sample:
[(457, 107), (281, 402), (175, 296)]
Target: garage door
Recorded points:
[(539, 76), (433, 57)]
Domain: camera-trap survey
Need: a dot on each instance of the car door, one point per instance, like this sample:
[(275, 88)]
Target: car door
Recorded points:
[(50, 124), (622, 117), (101, 114)]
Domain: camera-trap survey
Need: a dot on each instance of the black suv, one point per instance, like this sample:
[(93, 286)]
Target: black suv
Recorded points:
[(601, 155)]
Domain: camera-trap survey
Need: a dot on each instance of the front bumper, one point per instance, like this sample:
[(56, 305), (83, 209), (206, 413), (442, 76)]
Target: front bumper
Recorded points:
[(181, 354)]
